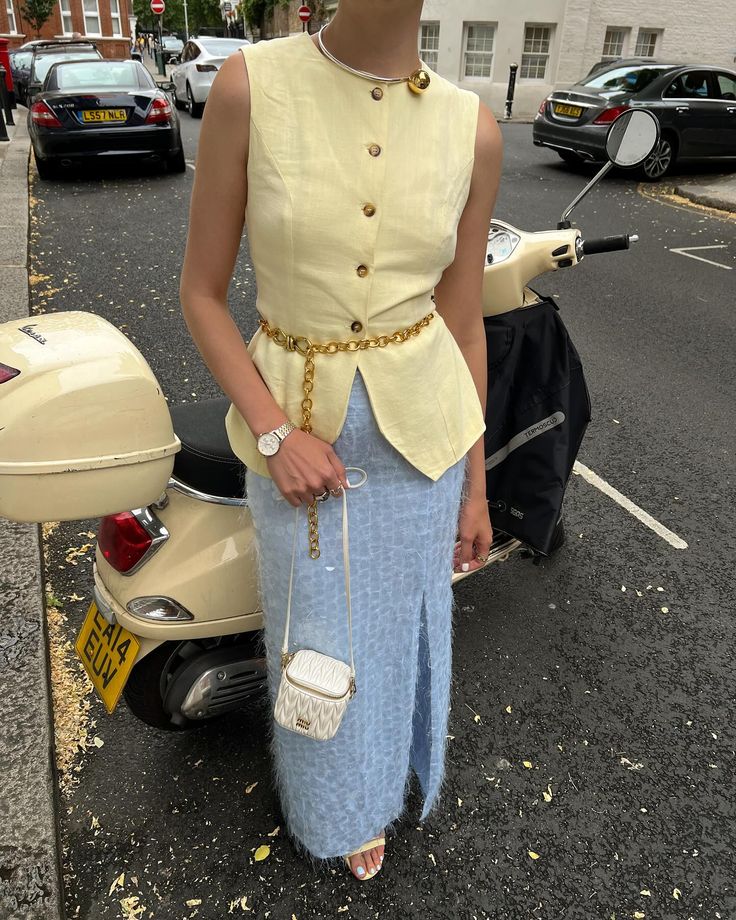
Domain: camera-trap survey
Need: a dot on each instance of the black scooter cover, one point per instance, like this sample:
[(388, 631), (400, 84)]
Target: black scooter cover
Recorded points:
[(537, 411)]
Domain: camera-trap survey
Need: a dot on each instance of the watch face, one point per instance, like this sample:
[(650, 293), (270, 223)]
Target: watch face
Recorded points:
[(268, 444)]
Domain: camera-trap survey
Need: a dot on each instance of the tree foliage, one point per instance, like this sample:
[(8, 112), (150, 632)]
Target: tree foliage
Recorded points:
[(199, 12), (37, 12)]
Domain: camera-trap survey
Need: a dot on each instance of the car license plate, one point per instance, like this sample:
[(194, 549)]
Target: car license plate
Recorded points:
[(97, 115), (108, 653), (573, 110)]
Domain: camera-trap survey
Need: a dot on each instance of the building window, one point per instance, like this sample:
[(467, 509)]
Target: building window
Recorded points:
[(613, 43), (479, 50), (12, 30), (429, 43), (536, 53), (91, 18), (646, 43), (66, 16), (115, 17)]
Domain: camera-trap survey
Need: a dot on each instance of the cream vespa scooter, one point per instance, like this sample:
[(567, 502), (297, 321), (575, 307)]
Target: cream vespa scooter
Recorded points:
[(85, 432)]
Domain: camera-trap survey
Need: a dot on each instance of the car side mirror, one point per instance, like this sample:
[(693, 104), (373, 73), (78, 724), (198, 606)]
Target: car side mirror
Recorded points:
[(167, 87)]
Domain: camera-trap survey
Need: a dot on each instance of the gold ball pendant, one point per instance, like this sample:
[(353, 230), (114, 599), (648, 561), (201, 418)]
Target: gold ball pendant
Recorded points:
[(419, 81)]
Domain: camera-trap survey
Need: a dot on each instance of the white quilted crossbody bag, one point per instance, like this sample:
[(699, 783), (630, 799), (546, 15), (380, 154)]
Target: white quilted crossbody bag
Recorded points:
[(315, 688)]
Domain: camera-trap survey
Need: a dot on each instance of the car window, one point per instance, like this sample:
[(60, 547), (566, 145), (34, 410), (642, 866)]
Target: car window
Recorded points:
[(693, 84), (194, 51), (98, 75), (221, 48), (726, 84), (43, 63), (21, 60), (626, 79)]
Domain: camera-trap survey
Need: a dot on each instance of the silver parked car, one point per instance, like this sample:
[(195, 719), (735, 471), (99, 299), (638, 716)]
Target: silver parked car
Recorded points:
[(200, 61)]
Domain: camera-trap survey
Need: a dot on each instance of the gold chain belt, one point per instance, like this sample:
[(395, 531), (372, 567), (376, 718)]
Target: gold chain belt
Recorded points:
[(309, 349)]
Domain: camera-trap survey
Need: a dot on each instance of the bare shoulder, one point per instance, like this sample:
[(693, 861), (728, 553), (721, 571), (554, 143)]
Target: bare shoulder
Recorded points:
[(488, 138), (231, 87)]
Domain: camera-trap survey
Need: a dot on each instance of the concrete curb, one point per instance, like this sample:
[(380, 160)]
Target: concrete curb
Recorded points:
[(30, 872), (710, 196)]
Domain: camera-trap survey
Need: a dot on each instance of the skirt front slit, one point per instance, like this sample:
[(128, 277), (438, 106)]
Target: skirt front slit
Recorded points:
[(337, 794)]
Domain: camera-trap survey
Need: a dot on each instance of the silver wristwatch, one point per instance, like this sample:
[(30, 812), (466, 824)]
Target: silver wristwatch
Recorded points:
[(270, 441)]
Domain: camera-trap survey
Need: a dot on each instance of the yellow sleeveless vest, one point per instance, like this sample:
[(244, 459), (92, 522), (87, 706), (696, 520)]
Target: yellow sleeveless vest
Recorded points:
[(355, 190)]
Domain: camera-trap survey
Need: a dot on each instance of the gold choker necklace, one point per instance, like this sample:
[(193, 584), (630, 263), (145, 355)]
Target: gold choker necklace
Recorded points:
[(418, 80)]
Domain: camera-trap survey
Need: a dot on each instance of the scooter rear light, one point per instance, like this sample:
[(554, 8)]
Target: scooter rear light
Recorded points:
[(7, 373), (123, 541), (158, 609), (609, 115)]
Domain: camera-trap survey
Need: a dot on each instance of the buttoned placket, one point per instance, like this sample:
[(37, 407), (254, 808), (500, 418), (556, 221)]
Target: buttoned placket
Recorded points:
[(372, 157)]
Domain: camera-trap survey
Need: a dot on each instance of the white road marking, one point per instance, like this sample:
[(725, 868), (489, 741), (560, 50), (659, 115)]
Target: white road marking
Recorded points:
[(687, 251), (595, 480)]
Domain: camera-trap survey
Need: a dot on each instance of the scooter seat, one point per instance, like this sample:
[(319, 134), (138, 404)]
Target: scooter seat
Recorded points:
[(206, 461)]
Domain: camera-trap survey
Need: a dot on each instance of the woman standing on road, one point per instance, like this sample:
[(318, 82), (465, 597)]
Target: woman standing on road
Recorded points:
[(367, 183)]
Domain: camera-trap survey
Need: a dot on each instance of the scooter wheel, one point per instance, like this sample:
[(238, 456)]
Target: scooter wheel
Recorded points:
[(142, 692)]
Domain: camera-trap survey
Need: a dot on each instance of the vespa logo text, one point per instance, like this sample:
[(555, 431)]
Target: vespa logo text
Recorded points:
[(34, 335)]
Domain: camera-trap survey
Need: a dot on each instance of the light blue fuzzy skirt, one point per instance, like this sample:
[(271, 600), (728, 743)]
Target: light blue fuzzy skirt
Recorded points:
[(337, 794)]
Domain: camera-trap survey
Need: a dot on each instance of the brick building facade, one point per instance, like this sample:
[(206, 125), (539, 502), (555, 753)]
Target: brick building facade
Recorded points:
[(107, 22)]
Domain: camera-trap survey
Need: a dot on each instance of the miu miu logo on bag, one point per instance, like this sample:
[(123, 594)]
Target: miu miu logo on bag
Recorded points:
[(302, 724)]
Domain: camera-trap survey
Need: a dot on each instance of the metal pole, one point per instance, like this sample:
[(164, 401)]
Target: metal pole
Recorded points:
[(186, 22), (3, 129), (5, 99), (512, 86), (161, 61)]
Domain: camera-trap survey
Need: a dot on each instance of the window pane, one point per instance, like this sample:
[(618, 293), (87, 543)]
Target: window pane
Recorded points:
[(533, 66), (536, 39), (646, 44), (613, 44), (429, 43), (479, 51)]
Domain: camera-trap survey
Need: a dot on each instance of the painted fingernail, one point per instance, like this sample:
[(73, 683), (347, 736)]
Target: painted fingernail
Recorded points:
[(360, 870), (465, 566)]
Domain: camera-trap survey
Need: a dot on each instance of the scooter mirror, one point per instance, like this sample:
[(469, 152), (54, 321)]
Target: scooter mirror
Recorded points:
[(632, 137)]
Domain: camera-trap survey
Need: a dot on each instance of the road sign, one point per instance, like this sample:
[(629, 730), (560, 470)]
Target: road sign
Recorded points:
[(227, 7), (305, 14), (157, 7)]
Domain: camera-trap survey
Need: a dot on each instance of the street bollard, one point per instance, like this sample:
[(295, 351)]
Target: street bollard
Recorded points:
[(512, 86), (5, 99), (3, 129)]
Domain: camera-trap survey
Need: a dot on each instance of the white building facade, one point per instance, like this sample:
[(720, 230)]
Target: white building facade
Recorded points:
[(555, 42)]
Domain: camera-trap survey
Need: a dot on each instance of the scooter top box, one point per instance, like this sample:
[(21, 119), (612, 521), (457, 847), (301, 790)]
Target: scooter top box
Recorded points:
[(85, 430)]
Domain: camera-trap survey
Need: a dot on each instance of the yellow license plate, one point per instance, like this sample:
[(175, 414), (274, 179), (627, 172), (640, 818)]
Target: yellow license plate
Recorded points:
[(108, 653), (573, 110), (104, 115)]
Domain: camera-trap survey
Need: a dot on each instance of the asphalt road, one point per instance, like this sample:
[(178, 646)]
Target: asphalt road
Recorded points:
[(603, 678)]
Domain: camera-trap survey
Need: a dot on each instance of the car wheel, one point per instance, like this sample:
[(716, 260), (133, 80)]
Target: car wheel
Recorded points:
[(195, 108), (572, 159), (660, 161), (177, 163), (46, 169)]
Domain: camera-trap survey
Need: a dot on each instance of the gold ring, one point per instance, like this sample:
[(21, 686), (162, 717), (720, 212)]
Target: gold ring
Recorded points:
[(482, 559), (323, 497), (336, 492)]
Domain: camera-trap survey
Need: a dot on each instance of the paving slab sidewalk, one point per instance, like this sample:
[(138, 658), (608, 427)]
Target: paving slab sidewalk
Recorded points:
[(711, 191), (29, 847)]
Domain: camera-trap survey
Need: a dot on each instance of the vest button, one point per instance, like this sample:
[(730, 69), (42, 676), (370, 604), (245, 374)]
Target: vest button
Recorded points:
[(369, 210), (374, 150), (356, 326), (377, 92), (362, 270)]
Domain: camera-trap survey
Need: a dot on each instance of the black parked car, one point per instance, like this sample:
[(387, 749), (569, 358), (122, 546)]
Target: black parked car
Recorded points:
[(695, 105), (95, 109), (20, 68), (46, 53)]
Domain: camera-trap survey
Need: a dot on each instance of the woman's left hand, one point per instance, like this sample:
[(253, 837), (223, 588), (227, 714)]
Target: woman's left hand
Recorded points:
[(476, 534)]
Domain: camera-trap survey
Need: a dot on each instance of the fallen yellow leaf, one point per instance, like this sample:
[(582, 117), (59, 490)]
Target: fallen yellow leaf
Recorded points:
[(508, 709), (118, 883), (261, 853), (638, 915), (274, 831), (194, 902), (527, 764), (533, 854), (548, 793), (676, 894), (249, 789), (646, 892)]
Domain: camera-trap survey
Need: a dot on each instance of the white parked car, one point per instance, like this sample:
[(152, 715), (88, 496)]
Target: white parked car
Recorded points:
[(200, 61)]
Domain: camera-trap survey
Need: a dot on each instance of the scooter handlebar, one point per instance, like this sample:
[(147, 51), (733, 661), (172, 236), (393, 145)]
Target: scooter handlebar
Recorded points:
[(608, 244)]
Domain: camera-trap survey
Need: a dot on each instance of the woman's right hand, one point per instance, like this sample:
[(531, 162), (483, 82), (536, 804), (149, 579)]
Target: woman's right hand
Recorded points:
[(305, 466)]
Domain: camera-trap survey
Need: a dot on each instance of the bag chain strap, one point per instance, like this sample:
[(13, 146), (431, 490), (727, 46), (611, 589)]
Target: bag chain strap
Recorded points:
[(309, 349), (286, 656)]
